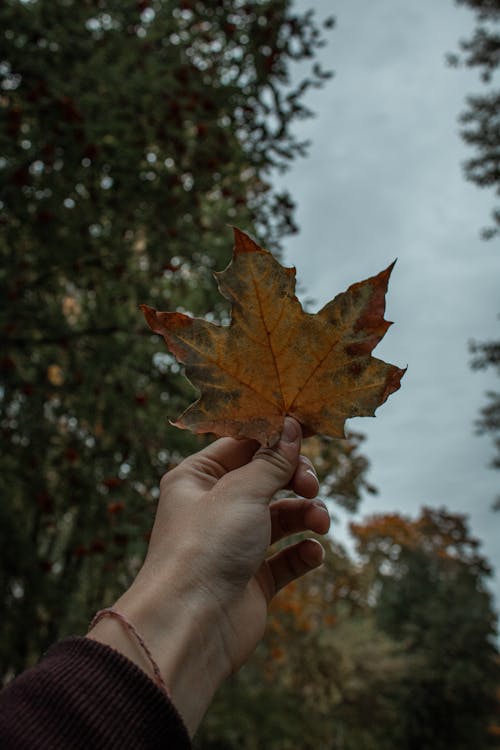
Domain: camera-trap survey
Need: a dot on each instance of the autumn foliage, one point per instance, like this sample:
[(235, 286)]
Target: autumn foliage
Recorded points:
[(392, 649), (131, 133)]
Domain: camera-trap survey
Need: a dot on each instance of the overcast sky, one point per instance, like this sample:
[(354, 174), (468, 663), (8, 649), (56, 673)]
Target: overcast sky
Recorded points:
[(384, 180)]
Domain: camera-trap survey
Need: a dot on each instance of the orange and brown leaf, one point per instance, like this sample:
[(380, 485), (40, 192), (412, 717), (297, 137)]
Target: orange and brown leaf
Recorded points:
[(274, 359)]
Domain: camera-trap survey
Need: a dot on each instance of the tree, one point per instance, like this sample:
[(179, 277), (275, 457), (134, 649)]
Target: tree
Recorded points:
[(131, 132), (429, 585), (323, 678), (481, 131), (487, 354), (393, 650), (341, 468)]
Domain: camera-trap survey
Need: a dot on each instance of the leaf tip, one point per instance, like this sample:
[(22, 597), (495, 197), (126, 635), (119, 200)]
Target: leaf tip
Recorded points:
[(150, 315), (386, 273), (244, 243), (393, 382)]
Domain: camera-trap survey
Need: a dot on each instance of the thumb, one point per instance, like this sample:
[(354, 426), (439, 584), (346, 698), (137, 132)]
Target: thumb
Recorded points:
[(271, 469)]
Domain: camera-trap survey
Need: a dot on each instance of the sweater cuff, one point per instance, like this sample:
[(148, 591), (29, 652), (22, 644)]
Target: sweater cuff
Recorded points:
[(84, 694)]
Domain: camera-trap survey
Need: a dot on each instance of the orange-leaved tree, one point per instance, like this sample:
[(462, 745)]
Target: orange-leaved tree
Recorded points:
[(429, 587)]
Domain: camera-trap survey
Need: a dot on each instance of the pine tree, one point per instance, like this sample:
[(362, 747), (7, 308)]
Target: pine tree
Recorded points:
[(131, 133), (481, 131), (480, 118)]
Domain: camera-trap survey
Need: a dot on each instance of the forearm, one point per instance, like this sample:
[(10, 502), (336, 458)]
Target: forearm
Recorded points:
[(182, 638), (200, 600)]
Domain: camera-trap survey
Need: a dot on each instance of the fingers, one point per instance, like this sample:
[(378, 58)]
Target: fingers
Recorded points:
[(262, 471), (291, 563), (291, 516), (304, 481), (271, 469)]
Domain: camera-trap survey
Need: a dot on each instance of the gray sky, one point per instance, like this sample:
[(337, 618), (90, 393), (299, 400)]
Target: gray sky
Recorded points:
[(384, 180)]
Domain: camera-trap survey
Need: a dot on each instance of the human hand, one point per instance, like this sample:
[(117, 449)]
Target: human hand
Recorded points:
[(201, 597)]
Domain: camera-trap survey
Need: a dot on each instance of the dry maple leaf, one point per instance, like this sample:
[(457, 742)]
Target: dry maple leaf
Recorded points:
[(274, 359)]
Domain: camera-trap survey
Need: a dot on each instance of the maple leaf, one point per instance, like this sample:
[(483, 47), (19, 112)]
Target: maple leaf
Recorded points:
[(274, 359)]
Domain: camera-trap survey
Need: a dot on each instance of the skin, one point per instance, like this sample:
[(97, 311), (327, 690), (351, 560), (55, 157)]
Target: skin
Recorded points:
[(201, 598)]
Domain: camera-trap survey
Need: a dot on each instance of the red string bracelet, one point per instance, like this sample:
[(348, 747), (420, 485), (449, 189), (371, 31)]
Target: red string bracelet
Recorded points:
[(110, 612)]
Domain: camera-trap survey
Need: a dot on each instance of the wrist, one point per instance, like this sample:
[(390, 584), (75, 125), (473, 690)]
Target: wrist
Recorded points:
[(182, 635)]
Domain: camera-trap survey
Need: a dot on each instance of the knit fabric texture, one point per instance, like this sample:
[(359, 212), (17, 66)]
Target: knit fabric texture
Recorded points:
[(83, 694)]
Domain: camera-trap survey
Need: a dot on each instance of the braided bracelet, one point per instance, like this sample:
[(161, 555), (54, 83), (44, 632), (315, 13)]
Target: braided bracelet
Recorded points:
[(110, 612)]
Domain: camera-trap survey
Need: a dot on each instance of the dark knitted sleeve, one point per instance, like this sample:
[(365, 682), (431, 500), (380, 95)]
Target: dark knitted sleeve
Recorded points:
[(84, 694)]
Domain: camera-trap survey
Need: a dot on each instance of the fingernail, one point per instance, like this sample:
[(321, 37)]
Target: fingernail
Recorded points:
[(302, 549), (321, 506), (323, 553), (290, 432), (313, 474)]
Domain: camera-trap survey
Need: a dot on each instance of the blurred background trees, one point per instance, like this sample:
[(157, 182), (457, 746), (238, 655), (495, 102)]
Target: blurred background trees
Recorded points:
[(480, 118), (131, 133), (430, 582), (394, 650), (481, 131)]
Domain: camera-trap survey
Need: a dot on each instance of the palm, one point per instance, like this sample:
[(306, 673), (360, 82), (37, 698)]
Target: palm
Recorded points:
[(239, 538)]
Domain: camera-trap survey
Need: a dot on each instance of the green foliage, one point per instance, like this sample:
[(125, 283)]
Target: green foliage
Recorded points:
[(130, 134), (341, 468), (429, 580), (309, 704), (480, 118), (395, 651), (323, 678), (481, 132), (487, 354)]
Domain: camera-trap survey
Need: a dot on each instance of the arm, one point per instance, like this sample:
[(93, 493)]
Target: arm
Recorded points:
[(200, 600)]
